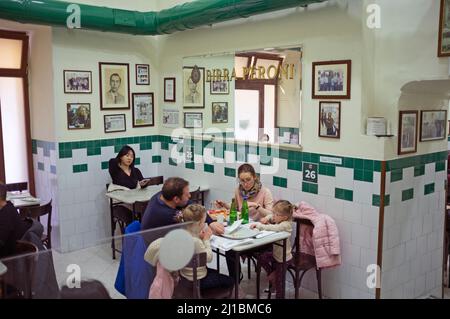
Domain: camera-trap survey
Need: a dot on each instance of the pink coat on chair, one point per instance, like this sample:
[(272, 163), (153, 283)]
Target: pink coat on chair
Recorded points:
[(163, 284), (322, 241)]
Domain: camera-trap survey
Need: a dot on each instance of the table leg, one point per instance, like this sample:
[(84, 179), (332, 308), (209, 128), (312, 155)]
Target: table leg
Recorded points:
[(283, 270), (218, 260), (236, 276)]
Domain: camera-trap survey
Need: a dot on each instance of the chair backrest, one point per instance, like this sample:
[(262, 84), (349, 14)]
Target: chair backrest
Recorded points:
[(299, 223), (198, 260), (36, 212), (14, 187), (196, 196), (155, 180)]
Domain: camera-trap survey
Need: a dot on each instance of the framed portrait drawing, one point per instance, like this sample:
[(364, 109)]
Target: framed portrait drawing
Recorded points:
[(331, 79), (433, 125), (115, 123), (193, 87), (143, 110), (330, 119), (169, 89), (407, 132), (193, 120), (219, 87), (114, 86), (77, 81), (444, 29), (219, 112), (142, 74), (78, 116)]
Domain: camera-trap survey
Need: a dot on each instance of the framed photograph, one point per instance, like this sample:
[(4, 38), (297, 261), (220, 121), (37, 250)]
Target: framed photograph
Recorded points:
[(432, 125), (193, 87), (444, 29), (169, 89), (170, 118), (193, 120), (114, 86), (78, 116), (77, 81), (115, 123), (220, 112), (219, 87), (331, 79), (407, 132), (330, 119), (142, 74), (143, 110)]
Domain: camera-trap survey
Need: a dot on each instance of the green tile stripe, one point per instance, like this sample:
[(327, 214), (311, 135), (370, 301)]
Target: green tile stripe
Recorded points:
[(137, 161), (363, 175), (440, 166), (376, 200), (419, 170), (79, 168), (407, 194), (396, 175), (190, 165), (172, 162), (34, 146), (344, 194), (208, 168), (280, 181), (230, 172), (327, 169), (428, 189), (310, 188), (156, 159), (417, 160), (105, 165)]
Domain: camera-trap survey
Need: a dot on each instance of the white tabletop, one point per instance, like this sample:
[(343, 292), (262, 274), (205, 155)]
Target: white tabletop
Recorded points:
[(141, 195), (257, 242), (3, 268), (22, 199)]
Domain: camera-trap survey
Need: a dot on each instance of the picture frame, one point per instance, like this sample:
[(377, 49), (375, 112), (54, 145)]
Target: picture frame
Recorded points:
[(77, 82), (331, 79), (78, 116), (433, 125), (444, 29), (143, 109), (142, 74), (193, 87), (114, 123), (193, 120), (114, 86), (169, 89), (219, 87), (407, 132), (330, 119), (219, 112)]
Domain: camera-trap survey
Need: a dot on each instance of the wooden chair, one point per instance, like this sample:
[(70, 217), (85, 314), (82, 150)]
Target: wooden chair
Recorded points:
[(36, 212), (197, 197), (18, 281), (17, 187), (186, 289)]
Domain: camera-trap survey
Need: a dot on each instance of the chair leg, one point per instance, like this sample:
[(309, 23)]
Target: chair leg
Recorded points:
[(319, 282), (249, 268), (258, 279), (113, 242), (296, 283)]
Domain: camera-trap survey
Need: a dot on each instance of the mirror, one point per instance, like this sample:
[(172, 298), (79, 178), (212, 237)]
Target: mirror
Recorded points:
[(247, 95)]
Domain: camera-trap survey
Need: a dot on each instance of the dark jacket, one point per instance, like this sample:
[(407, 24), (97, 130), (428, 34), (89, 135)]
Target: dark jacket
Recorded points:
[(119, 177), (12, 228)]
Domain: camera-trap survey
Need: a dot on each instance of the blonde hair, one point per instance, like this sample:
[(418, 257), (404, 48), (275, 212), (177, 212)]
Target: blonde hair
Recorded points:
[(284, 208), (192, 213)]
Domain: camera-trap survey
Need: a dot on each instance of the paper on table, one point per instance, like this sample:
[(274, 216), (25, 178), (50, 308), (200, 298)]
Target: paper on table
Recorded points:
[(233, 227), (226, 244), (264, 233)]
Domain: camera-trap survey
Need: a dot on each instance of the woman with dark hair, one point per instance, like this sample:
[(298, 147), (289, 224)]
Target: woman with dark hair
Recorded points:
[(122, 170), (259, 198)]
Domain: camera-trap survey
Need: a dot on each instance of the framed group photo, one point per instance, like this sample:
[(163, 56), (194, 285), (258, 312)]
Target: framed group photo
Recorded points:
[(169, 89), (77, 81), (193, 120), (193, 87), (219, 87), (407, 132), (142, 74), (330, 119), (444, 29), (115, 123), (143, 110), (220, 112), (78, 116), (114, 86), (433, 125), (331, 79)]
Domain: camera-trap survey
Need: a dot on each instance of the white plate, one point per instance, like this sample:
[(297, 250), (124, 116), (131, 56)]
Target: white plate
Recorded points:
[(242, 233)]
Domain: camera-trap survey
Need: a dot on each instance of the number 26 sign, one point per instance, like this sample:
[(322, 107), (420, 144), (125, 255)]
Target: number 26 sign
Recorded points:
[(310, 172)]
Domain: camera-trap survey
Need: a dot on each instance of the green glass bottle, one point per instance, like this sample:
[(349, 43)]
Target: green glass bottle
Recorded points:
[(233, 212), (244, 211)]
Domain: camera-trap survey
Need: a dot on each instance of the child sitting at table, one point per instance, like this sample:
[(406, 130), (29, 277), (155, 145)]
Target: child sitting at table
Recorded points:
[(272, 261)]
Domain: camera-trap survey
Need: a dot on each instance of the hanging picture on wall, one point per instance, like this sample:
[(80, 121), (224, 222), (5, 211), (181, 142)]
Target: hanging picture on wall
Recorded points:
[(142, 74), (115, 123), (78, 116), (444, 29), (219, 87), (114, 86), (407, 132), (193, 87), (143, 114), (432, 125), (220, 112), (331, 79), (170, 118), (169, 90), (193, 120), (330, 119), (77, 81)]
